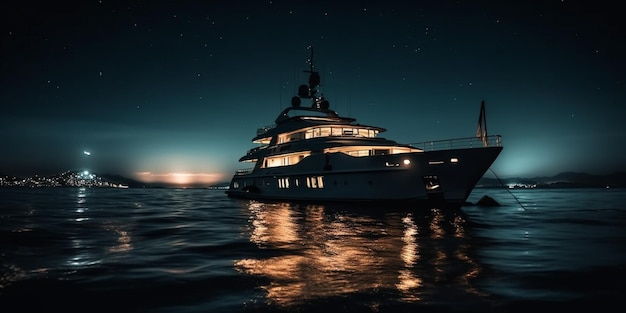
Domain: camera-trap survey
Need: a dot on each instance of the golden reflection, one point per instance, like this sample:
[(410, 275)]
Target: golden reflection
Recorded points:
[(272, 224), (435, 224), (124, 242), (408, 282), (321, 252)]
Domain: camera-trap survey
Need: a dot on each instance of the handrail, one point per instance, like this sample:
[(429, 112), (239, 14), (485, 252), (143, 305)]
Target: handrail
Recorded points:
[(460, 143)]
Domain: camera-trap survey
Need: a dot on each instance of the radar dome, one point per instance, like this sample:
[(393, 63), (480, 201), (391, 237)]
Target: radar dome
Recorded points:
[(295, 102), (303, 91), (325, 104)]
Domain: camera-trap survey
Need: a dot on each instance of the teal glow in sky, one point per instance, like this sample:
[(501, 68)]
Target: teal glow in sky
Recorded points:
[(175, 92)]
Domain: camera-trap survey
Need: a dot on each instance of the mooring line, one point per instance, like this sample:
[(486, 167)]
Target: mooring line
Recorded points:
[(507, 189)]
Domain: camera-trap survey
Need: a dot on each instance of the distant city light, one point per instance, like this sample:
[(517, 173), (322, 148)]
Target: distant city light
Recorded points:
[(87, 152)]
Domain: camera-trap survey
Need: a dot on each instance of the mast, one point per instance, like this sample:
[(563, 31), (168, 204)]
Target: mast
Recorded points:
[(310, 91), (481, 132)]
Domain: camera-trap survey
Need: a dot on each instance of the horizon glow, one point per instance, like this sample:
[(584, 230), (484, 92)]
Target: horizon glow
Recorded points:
[(178, 90)]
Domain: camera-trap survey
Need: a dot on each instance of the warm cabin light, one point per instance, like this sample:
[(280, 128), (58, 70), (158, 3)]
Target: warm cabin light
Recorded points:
[(406, 161), (454, 160)]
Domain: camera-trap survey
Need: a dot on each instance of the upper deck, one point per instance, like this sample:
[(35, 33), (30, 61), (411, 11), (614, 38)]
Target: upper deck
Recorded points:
[(295, 123)]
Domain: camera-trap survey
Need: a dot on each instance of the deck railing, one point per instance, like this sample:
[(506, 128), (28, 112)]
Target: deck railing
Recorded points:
[(460, 143)]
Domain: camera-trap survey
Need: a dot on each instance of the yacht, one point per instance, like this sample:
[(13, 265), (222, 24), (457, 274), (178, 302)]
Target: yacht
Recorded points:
[(311, 153)]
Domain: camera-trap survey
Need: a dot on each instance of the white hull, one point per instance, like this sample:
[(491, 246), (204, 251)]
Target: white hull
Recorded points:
[(444, 175)]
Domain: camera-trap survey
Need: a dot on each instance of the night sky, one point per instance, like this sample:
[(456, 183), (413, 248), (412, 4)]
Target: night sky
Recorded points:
[(175, 91)]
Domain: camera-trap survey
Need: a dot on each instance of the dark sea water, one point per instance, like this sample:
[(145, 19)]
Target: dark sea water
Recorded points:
[(195, 250)]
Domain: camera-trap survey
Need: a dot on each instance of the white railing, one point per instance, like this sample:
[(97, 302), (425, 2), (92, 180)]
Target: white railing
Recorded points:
[(460, 143)]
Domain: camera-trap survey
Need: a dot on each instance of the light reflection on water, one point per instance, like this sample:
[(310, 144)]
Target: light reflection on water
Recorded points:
[(320, 252), (199, 251), (87, 249)]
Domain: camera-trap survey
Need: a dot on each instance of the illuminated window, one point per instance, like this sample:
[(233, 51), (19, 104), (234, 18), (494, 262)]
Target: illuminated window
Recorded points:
[(283, 182), (315, 182), (454, 160)]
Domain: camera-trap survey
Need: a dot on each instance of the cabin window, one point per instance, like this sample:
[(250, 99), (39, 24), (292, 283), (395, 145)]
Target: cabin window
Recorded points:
[(315, 182), (273, 162), (332, 131), (286, 160), (359, 153), (381, 151), (283, 182), (325, 132)]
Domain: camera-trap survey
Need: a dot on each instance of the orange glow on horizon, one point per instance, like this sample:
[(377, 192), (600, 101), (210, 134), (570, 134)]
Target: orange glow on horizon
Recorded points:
[(180, 178)]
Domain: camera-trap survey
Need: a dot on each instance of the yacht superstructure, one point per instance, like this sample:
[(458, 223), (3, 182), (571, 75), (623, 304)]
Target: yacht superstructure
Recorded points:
[(314, 154)]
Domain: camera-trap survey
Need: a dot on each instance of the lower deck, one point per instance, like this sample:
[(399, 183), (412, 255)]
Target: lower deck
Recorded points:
[(448, 176)]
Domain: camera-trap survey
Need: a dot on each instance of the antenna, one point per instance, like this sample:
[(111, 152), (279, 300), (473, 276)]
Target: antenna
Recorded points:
[(314, 77), (310, 60)]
